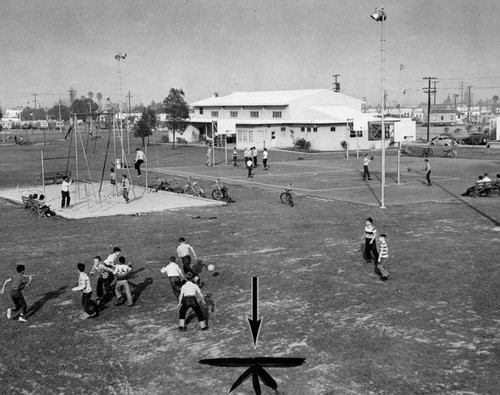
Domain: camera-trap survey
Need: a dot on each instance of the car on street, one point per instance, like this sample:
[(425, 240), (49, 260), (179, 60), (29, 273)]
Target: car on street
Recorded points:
[(476, 139), (443, 141)]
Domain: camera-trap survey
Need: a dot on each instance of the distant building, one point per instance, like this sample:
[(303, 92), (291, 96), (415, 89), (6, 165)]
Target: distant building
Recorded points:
[(276, 119)]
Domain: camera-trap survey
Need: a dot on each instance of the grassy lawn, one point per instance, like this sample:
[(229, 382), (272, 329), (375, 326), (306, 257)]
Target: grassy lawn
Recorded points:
[(433, 328)]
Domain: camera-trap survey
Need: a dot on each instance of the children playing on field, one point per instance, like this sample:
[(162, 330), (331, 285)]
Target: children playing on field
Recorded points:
[(19, 281)]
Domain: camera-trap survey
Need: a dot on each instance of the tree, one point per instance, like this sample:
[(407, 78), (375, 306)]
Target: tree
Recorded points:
[(494, 106), (99, 100), (65, 113), (177, 111), (142, 130), (83, 106), (145, 126)]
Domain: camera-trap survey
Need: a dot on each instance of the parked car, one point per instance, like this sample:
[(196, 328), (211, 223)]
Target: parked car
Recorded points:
[(443, 141), (476, 139)]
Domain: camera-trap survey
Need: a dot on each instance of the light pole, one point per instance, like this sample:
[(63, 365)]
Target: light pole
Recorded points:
[(119, 57), (380, 16)]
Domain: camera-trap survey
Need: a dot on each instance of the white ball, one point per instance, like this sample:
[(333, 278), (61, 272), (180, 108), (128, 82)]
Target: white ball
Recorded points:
[(211, 268)]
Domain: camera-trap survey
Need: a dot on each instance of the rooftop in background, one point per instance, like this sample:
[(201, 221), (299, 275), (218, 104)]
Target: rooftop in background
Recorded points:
[(267, 98)]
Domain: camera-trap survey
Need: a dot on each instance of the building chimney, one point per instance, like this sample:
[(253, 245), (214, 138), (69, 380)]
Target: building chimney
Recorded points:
[(216, 94)]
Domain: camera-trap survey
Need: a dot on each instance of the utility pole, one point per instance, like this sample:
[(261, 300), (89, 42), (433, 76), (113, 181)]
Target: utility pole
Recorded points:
[(435, 90), (363, 108), (468, 105), (72, 94), (129, 105), (455, 95), (34, 95), (429, 91), (461, 89), (336, 85)]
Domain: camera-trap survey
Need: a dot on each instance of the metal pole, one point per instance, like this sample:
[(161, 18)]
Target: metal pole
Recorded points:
[(225, 145), (399, 162), (43, 174), (382, 200)]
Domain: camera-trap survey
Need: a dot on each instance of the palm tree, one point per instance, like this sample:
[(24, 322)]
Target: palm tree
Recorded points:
[(99, 100)]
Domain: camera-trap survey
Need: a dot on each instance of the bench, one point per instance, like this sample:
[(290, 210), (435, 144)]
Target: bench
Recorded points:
[(36, 206), (55, 175), (181, 140)]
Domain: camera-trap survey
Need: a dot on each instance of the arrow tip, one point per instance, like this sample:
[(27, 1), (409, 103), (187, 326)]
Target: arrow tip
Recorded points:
[(255, 328)]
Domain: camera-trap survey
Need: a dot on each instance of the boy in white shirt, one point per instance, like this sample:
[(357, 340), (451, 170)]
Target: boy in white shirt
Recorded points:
[(84, 285), (175, 276)]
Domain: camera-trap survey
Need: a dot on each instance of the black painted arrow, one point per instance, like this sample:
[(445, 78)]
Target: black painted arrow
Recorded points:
[(254, 321)]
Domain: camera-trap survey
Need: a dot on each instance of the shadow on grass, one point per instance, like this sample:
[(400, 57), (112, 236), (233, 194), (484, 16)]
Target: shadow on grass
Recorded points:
[(35, 307), (140, 287)]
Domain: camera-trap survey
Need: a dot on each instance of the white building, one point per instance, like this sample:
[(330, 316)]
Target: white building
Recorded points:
[(275, 119)]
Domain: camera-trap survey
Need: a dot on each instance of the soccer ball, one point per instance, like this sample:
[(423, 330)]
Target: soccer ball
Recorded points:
[(211, 268), (409, 169)]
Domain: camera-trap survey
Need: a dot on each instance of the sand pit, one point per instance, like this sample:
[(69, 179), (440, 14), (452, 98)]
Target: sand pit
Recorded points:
[(88, 202)]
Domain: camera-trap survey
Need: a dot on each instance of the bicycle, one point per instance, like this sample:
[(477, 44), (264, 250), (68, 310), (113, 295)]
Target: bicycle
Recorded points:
[(192, 188), (286, 197), (221, 192)]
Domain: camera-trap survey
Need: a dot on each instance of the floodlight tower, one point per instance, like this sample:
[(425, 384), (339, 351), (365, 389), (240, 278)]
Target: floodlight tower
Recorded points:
[(380, 16), (119, 57)]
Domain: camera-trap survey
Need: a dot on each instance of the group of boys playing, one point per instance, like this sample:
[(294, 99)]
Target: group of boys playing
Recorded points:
[(185, 284)]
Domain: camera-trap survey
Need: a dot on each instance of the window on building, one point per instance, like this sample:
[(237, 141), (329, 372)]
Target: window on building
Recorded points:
[(273, 135), (352, 133), (360, 133), (239, 135), (250, 136), (254, 114), (233, 114), (302, 129), (315, 128), (215, 114), (201, 110), (283, 129), (276, 114), (309, 129), (332, 128), (442, 117)]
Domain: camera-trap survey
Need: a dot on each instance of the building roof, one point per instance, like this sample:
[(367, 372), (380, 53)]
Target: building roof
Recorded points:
[(341, 113), (263, 98)]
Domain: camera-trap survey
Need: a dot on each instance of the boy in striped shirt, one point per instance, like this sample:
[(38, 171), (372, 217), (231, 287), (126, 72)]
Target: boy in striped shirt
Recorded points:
[(383, 257)]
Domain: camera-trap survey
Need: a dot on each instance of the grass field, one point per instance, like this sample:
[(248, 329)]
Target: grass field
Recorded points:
[(433, 328)]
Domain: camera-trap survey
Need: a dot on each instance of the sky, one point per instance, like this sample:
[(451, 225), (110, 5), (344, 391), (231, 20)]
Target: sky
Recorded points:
[(224, 46)]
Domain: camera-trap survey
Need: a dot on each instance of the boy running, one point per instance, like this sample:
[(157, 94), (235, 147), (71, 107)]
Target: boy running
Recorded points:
[(88, 304), (19, 281), (175, 276)]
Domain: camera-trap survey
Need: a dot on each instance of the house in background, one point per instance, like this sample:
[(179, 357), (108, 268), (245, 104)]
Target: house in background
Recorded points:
[(276, 119)]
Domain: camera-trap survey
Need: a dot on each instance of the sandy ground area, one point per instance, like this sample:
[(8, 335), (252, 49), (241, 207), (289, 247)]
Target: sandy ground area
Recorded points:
[(87, 202)]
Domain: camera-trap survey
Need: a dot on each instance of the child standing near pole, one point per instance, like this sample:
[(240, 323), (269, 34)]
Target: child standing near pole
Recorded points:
[(19, 281), (125, 187), (383, 257), (122, 286), (235, 157)]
